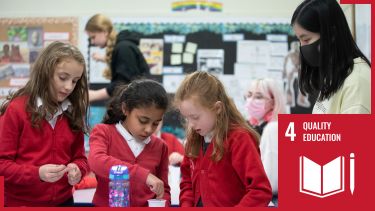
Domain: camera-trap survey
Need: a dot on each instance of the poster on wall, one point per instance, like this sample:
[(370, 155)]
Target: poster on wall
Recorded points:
[(22, 39), (14, 66), (211, 60), (35, 37), (152, 50), (50, 37), (97, 65), (253, 51)]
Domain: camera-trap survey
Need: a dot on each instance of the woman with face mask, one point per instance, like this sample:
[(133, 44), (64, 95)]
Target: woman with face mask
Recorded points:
[(332, 65), (264, 101)]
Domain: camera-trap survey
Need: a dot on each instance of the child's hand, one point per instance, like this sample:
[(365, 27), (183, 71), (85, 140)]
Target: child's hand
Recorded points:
[(74, 174), (156, 185), (52, 172), (175, 158)]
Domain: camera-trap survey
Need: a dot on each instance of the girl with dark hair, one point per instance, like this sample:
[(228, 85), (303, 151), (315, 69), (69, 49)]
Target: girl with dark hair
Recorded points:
[(332, 65), (125, 62), (41, 128), (126, 138)]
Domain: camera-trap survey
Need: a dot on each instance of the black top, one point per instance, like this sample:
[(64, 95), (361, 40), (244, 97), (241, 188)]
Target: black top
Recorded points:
[(204, 147), (259, 128), (127, 62)]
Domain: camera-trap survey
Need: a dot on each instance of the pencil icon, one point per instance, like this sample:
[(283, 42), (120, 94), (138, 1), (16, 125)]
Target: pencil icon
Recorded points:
[(352, 173)]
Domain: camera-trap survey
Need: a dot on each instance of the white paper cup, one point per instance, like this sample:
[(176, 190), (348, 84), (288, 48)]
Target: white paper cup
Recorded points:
[(156, 202)]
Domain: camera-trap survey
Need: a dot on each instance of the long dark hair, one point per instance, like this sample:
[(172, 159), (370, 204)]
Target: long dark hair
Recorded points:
[(337, 47), (141, 93)]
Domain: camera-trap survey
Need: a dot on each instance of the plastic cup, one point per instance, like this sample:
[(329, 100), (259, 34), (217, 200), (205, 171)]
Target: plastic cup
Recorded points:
[(156, 202)]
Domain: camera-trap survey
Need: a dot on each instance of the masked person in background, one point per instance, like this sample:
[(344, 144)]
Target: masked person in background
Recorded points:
[(264, 101), (332, 65)]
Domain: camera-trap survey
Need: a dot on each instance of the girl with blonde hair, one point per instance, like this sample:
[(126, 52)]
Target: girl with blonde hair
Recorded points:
[(125, 61)]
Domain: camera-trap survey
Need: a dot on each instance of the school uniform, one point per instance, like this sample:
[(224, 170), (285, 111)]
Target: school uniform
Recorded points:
[(174, 145), (238, 179), (111, 144), (25, 148)]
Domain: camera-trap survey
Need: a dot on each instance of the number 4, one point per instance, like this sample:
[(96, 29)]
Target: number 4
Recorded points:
[(290, 131)]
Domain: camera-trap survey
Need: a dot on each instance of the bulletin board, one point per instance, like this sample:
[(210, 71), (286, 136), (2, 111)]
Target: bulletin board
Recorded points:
[(198, 36), (239, 49), (236, 50), (21, 40)]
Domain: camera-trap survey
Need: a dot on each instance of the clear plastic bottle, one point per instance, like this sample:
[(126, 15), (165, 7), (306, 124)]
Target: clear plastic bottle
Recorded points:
[(119, 186)]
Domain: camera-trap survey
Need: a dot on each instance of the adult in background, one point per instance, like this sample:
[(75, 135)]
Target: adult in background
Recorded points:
[(264, 101), (331, 63)]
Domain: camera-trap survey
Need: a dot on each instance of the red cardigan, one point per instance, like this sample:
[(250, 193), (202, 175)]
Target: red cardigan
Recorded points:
[(108, 148), (174, 145), (238, 179), (24, 149)]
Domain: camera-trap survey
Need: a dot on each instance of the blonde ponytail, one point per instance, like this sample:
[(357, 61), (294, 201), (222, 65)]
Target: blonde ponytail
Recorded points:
[(101, 23), (107, 73)]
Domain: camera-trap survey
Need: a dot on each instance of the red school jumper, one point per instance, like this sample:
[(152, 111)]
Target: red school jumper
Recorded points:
[(24, 149), (174, 145), (238, 179), (109, 148)]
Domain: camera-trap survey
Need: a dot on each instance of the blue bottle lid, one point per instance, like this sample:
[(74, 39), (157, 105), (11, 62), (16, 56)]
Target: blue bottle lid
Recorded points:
[(119, 172)]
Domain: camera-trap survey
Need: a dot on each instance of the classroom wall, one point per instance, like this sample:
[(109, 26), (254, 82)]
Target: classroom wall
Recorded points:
[(363, 29), (118, 8), (158, 8)]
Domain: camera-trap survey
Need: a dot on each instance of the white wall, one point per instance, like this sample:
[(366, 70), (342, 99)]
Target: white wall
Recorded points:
[(125, 8), (162, 8), (363, 28)]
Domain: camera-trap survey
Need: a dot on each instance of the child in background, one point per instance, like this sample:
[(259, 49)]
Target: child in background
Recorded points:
[(41, 128), (126, 138), (264, 101), (175, 148), (222, 165), (125, 62)]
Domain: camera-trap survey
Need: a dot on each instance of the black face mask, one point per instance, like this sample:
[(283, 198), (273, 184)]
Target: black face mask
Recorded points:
[(311, 53)]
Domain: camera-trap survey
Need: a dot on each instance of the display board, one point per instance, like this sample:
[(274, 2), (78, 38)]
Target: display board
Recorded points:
[(21, 40), (237, 50)]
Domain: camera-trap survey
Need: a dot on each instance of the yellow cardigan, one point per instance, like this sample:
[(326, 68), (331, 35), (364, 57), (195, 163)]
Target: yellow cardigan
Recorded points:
[(354, 97)]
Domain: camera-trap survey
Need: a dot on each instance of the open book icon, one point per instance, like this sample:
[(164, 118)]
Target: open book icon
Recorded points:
[(321, 181)]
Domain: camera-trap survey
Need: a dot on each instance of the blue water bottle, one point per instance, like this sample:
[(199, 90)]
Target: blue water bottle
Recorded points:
[(119, 186)]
